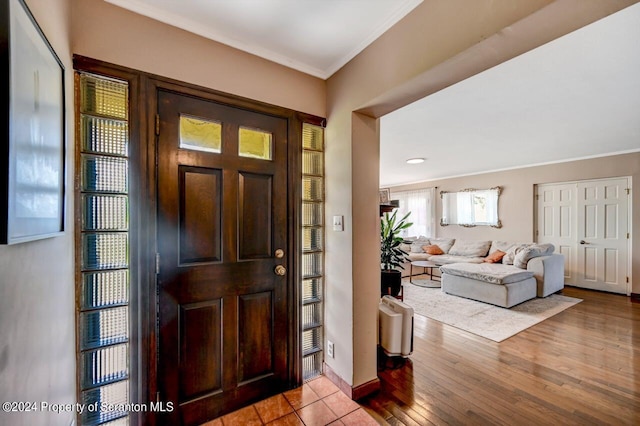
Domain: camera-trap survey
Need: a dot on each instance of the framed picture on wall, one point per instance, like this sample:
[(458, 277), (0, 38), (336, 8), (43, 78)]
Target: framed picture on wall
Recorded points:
[(32, 128), (385, 196)]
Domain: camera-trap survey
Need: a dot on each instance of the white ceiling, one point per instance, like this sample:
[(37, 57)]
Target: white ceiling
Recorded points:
[(576, 97), (316, 37)]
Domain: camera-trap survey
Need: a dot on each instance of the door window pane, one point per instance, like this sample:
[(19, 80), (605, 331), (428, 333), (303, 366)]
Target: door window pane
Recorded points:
[(200, 135), (254, 143)]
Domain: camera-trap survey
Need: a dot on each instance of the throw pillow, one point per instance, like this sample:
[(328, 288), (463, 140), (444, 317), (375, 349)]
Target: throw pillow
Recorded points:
[(444, 243), (495, 257), (432, 249)]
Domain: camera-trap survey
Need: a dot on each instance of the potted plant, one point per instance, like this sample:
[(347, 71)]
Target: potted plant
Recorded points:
[(391, 254)]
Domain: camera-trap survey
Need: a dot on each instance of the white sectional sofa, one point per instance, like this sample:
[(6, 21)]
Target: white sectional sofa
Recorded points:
[(527, 270)]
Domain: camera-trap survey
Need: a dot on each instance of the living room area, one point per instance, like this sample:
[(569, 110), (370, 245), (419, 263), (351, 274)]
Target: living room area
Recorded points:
[(577, 364)]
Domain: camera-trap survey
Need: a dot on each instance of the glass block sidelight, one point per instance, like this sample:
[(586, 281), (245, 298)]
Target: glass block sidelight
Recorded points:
[(312, 188), (104, 174), (105, 289), (105, 251), (200, 135), (103, 278), (105, 212), (311, 315), (311, 290), (311, 340), (312, 365), (312, 265), (312, 236), (312, 137), (312, 163), (114, 396), (104, 97), (94, 372), (105, 136), (312, 213), (104, 327)]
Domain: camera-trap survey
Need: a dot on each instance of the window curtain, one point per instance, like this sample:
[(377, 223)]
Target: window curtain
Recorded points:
[(421, 204)]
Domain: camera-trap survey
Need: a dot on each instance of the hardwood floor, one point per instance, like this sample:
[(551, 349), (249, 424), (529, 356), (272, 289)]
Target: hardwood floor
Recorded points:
[(580, 367)]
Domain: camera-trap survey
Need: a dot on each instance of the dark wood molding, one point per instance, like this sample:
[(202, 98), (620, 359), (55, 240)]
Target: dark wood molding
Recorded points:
[(355, 393)]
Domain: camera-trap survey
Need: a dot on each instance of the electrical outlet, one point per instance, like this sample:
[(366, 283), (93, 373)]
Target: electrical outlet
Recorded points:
[(330, 352)]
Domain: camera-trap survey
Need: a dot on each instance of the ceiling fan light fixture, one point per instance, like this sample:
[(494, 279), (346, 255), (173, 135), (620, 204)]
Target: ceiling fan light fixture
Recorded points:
[(415, 160)]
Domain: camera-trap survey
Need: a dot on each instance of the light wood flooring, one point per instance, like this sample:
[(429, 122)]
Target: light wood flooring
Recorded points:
[(580, 367)]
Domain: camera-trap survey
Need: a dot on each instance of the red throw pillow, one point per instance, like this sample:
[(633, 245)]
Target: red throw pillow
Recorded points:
[(432, 249), (495, 257)]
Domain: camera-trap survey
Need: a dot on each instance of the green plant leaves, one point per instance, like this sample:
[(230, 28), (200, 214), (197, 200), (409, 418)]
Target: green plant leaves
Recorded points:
[(391, 255)]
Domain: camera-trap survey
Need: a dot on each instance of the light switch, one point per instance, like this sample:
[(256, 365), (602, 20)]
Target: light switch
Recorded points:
[(338, 223)]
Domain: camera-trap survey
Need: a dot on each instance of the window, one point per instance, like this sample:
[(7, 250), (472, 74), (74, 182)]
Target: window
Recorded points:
[(103, 286), (312, 248), (421, 204)]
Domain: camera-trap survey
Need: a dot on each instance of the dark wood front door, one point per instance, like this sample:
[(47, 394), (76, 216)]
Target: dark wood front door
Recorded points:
[(222, 238)]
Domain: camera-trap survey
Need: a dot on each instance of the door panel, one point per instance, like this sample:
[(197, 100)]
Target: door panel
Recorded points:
[(200, 348), (255, 336), (557, 222), (254, 213), (602, 261), (223, 312), (200, 214)]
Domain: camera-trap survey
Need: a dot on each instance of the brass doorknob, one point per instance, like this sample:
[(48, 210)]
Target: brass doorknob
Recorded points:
[(280, 270)]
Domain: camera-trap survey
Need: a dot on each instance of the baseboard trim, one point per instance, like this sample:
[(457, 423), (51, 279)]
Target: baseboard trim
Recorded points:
[(354, 393)]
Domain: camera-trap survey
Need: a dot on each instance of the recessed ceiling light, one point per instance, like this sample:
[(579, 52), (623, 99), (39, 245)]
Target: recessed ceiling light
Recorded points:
[(415, 160)]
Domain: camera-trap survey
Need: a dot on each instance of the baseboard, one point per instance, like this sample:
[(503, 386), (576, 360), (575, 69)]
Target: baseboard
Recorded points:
[(356, 392)]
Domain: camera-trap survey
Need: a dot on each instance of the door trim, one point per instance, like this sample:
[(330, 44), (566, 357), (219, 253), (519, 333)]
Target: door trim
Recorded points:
[(143, 301), (629, 221)]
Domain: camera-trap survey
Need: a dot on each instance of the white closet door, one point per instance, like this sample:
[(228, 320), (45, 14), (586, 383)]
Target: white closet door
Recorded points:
[(556, 216), (603, 226)]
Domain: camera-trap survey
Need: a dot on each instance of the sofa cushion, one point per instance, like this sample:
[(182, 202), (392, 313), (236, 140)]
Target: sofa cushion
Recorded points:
[(432, 249), (535, 250), (470, 248), (444, 243), (447, 258), (494, 273)]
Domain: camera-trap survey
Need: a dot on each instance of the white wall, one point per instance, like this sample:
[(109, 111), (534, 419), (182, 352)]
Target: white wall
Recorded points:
[(37, 291)]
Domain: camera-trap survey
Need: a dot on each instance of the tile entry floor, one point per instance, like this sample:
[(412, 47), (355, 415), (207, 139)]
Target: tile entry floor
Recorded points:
[(317, 402)]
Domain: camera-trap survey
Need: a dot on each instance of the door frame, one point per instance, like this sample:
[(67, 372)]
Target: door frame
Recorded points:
[(629, 212), (143, 89)]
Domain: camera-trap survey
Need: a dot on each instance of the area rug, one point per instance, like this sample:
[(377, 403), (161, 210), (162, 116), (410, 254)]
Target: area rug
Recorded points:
[(423, 283), (488, 321)]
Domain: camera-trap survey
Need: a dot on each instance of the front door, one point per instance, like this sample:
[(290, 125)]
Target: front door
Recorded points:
[(222, 240)]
